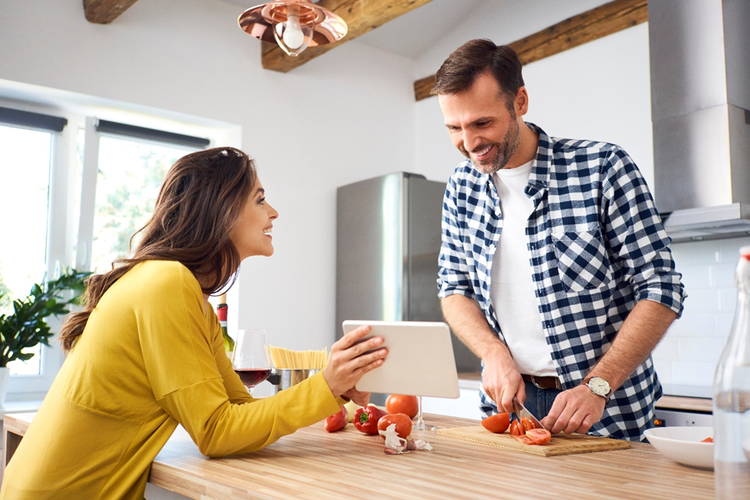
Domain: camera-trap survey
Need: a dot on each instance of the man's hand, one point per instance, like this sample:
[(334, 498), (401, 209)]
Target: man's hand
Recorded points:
[(501, 381), (574, 410)]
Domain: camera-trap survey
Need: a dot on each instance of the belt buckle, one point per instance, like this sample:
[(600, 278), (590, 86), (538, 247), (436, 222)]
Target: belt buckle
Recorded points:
[(533, 381), (558, 386)]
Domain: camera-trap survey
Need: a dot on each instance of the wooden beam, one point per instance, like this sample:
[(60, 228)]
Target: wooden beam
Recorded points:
[(105, 11), (577, 30), (361, 16)]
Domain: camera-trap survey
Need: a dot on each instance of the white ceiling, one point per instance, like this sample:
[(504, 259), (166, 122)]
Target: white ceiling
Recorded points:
[(413, 33)]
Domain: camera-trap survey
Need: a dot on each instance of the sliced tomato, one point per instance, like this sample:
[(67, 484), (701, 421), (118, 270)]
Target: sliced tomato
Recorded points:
[(516, 428), (497, 423), (539, 436), (527, 424), (524, 439)]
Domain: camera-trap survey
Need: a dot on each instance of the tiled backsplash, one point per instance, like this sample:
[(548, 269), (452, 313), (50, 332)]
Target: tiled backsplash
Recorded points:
[(688, 354)]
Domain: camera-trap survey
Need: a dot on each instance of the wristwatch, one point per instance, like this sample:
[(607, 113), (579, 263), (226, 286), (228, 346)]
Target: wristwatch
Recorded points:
[(600, 387)]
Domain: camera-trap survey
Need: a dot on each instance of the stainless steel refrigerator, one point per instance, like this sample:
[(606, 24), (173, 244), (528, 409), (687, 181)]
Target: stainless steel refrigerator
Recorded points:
[(387, 245)]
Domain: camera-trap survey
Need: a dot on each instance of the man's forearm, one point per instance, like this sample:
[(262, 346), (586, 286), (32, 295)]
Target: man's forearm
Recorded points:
[(640, 333), (468, 322)]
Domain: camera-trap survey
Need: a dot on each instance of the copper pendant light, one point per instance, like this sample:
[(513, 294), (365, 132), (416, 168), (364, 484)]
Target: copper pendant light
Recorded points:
[(293, 24)]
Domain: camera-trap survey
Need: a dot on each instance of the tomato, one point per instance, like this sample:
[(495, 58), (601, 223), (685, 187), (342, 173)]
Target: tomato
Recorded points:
[(539, 436), (397, 403), (527, 424), (402, 421), (524, 439), (708, 440), (516, 429), (497, 423)]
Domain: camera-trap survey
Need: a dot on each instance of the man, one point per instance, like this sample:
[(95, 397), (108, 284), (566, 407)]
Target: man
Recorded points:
[(554, 268)]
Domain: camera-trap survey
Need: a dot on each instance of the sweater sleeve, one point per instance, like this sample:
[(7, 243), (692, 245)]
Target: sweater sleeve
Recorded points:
[(199, 389)]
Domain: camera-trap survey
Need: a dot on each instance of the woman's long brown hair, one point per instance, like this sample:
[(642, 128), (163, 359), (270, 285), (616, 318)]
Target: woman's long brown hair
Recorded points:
[(198, 204)]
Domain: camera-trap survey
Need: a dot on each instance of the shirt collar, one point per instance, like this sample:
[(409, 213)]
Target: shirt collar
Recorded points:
[(539, 177)]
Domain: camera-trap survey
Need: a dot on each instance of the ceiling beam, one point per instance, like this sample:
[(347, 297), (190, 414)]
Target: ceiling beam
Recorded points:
[(105, 11), (577, 30), (361, 16)]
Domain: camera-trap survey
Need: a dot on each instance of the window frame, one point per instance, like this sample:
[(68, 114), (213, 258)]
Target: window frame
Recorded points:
[(71, 207)]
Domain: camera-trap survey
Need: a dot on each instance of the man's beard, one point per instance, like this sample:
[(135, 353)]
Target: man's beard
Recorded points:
[(503, 150)]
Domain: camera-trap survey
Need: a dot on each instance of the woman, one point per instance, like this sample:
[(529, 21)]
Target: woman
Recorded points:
[(146, 353)]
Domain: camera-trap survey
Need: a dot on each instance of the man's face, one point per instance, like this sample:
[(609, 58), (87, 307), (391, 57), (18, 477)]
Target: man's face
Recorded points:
[(481, 126)]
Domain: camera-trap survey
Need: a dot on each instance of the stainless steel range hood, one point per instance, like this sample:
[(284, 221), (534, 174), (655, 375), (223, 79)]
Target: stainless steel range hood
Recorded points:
[(700, 97)]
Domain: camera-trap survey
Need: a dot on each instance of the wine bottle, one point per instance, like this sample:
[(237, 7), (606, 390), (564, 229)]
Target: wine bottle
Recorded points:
[(221, 312)]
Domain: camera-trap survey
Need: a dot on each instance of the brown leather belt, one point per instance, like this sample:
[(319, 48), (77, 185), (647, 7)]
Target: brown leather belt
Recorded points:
[(543, 382)]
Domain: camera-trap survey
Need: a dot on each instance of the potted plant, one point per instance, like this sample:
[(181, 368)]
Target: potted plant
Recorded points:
[(26, 325)]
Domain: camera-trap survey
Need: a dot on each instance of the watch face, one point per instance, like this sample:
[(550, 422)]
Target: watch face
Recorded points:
[(599, 386)]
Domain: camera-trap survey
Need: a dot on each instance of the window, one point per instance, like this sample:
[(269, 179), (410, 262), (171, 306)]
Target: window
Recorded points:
[(24, 189), (130, 174), (72, 196)]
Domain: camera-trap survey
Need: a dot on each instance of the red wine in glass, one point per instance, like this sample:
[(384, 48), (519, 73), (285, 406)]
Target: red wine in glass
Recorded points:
[(252, 376)]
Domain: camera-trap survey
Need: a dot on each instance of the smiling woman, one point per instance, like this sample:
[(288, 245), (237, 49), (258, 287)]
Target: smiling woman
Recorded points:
[(150, 318)]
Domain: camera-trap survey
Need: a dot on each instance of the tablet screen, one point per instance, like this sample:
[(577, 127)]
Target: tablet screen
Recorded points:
[(420, 359)]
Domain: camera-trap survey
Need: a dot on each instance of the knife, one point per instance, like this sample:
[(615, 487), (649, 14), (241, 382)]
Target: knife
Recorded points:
[(521, 411)]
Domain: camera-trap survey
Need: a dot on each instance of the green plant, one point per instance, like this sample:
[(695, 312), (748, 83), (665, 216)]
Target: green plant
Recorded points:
[(26, 327)]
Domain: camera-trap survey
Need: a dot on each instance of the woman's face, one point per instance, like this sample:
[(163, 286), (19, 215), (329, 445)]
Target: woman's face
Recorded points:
[(252, 233)]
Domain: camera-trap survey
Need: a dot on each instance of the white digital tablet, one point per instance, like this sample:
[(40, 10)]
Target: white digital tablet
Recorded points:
[(420, 359)]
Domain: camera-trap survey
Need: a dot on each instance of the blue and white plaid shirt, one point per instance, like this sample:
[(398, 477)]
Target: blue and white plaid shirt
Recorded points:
[(596, 247)]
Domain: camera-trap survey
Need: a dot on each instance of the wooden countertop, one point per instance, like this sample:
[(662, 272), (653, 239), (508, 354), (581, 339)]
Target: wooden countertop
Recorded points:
[(315, 464)]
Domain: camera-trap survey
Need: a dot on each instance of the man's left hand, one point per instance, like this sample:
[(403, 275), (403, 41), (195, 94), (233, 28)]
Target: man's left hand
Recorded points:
[(574, 410)]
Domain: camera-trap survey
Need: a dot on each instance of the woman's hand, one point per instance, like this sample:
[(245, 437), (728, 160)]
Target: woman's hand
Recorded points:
[(347, 362)]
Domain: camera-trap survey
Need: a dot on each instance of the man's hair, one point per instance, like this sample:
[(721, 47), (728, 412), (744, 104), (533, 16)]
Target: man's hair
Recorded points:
[(475, 58)]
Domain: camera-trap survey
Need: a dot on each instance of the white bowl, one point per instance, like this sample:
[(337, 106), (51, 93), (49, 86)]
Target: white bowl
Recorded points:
[(683, 444)]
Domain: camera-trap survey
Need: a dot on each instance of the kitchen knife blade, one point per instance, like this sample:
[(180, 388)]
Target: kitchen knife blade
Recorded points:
[(521, 411)]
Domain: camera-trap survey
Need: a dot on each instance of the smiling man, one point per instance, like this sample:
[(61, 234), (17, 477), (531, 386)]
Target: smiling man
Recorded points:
[(554, 267)]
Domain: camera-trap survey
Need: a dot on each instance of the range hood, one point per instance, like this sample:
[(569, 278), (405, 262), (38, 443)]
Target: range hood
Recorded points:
[(700, 97)]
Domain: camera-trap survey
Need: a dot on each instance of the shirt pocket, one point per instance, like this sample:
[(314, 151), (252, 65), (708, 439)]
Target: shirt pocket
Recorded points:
[(582, 260)]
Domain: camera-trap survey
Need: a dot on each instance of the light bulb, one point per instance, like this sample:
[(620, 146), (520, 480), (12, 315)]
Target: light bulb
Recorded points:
[(293, 36)]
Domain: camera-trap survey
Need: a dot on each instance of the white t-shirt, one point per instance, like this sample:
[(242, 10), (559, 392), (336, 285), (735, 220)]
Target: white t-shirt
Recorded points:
[(512, 289)]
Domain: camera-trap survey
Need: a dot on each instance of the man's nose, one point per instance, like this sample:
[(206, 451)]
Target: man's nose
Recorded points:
[(470, 140)]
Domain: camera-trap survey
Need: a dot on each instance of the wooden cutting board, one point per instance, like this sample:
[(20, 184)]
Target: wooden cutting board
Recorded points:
[(560, 444)]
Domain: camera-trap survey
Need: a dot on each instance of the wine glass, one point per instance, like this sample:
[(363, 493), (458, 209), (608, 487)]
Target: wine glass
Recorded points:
[(251, 360), (420, 425)]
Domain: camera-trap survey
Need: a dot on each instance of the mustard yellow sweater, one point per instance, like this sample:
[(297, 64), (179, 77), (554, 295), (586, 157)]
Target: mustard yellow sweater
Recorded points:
[(150, 357)]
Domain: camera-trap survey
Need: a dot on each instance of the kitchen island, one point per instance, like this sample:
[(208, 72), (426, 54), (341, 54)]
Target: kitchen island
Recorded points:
[(315, 464)]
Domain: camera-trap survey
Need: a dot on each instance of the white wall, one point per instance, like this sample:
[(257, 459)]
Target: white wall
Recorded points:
[(599, 90), (343, 117)]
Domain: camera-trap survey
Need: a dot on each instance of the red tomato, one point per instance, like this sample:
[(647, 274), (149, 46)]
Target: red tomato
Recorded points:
[(516, 428), (527, 424), (539, 436), (524, 439), (497, 423), (402, 421), (397, 403)]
